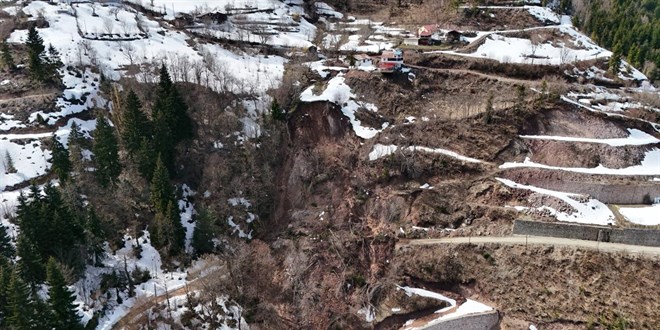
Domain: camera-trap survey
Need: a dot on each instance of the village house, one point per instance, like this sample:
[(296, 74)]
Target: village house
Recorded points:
[(429, 34), (363, 60), (390, 61)]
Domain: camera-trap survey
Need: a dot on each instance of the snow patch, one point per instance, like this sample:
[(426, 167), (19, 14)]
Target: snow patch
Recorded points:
[(591, 212), (646, 215)]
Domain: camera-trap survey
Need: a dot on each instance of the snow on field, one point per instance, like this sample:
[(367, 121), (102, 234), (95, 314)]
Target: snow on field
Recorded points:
[(645, 215), (114, 22), (606, 100), (322, 69), (635, 138), (28, 154), (8, 122), (215, 67), (519, 50), (29, 157), (172, 7), (543, 14), (649, 166), (380, 151), (324, 9), (149, 260), (339, 93), (592, 211), (283, 26), (357, 43), (245, 73), (80, 94)]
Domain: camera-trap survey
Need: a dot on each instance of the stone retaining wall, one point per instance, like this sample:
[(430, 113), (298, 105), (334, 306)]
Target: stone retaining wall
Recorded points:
[(631, 236), (478, 321)]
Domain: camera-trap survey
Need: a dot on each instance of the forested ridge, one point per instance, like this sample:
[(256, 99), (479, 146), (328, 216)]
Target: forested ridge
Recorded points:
[(630, 28)]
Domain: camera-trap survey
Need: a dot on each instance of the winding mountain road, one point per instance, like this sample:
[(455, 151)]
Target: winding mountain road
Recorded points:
[(536, 240)]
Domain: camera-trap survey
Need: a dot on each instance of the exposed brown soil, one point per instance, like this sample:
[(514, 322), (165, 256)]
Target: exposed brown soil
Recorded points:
[(575, 154), (553, 288), (574, 123)]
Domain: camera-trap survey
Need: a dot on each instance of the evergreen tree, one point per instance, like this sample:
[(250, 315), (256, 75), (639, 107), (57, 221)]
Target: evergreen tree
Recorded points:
[(61, 162), (30, 264), (168, 235), (60, 300), (75, 136), (36, 50), (76, 158), (9, 163), (170, 118), (146, 159), (106, 153), (6, 249), (202, 239), (5, 277), (64, 232), (21, 313), (177, 243), (95, 235), (53, 62), (180, 123), (7, 59), (27, 212), (135, 124), (276, 111), (160, 231), (161, 189), (165, 83), (163, 139)]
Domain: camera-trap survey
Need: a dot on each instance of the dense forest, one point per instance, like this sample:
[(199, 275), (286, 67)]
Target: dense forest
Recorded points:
[(630, 28), (60, 230)]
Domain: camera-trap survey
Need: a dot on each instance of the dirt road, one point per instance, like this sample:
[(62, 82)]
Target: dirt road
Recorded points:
[(476, 73), (536, 240), (135, 316)]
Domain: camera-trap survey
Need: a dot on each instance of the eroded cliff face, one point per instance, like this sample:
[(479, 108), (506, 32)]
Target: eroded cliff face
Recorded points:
[(554, 288)]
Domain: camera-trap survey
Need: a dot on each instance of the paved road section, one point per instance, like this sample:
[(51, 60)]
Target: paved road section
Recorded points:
[(537, 240)]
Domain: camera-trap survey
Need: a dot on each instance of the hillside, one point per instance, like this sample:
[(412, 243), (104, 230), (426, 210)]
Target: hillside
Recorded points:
[(271, 164)]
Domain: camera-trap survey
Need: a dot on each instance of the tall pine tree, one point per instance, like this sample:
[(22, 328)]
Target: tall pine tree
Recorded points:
[(5, 276), (7, 58), (161, 190), (6, 249), (21, 312), (36, 51), (202, 238), (171, 123), (63, 313), (95, 235), (106, 153), (146, 159), (75, 135), (135, 124), (30, 264), (168, 234), (61, 162)]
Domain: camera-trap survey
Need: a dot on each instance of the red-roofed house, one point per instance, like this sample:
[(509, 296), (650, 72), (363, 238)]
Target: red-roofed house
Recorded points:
[(429, 34), (390, 61)]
